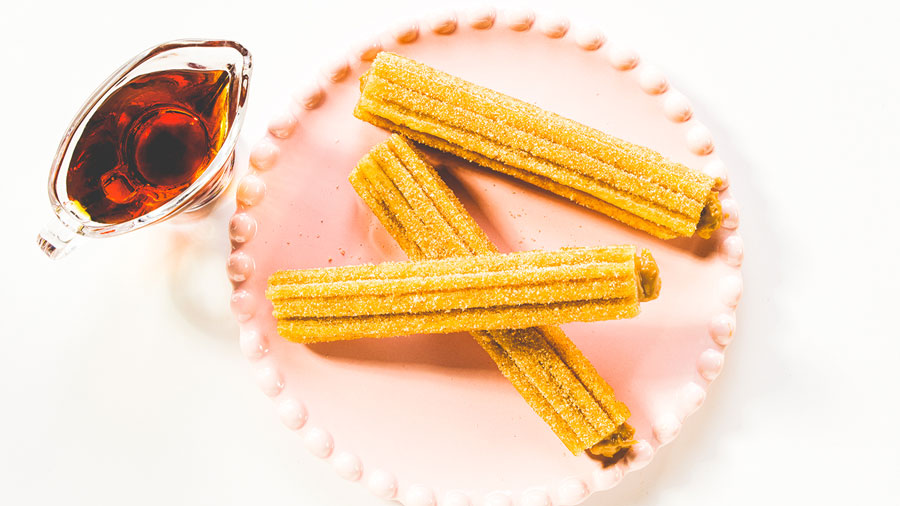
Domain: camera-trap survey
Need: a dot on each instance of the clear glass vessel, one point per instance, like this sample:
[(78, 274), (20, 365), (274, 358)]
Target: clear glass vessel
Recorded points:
[(156, 139)]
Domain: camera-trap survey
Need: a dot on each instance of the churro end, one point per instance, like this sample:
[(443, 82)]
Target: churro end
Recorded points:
[(710, 216), (648, 276), (615, 446)]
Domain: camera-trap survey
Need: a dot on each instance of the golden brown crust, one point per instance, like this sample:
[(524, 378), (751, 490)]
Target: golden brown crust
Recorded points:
[(482, 292), (648, 276), (630, 183), (711, 216), (542, 363), (613, 447)]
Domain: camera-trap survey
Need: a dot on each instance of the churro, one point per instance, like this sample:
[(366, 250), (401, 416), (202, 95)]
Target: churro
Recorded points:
[(483, 292), (542, 363), (630, 183)]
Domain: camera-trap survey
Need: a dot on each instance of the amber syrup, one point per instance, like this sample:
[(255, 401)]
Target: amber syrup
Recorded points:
[(147, 142)]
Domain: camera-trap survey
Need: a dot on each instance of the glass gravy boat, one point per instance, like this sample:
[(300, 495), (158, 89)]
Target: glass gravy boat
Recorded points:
[(156, 139)]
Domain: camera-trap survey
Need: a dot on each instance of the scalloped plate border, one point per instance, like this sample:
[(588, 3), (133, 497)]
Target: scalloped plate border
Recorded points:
[(570, 490)]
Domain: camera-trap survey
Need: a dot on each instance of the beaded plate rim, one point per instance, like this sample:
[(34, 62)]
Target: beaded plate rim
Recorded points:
[(383, 483)]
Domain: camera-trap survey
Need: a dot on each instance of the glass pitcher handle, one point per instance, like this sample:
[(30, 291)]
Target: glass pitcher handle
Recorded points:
[(57, 239)]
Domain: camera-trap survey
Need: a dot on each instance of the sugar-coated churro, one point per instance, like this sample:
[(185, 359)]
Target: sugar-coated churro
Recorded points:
[(483, 292), (542, 363), (630, 183)]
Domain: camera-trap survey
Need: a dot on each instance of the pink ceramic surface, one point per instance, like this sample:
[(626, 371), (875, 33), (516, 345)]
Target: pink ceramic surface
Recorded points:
[(428, 419)]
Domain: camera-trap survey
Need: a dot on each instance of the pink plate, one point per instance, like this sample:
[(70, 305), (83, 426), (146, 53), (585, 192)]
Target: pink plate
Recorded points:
[(428, 419)]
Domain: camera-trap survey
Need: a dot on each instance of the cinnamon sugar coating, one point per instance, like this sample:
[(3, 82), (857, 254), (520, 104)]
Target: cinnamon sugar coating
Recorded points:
[(483, 292), (630, 183), (546, 368)]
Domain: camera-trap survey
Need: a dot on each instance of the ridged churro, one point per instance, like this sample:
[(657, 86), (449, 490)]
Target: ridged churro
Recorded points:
[(630, 183), (542, 363), (483, 292)]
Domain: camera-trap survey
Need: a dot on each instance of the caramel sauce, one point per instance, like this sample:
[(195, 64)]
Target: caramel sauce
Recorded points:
[(147, 142)]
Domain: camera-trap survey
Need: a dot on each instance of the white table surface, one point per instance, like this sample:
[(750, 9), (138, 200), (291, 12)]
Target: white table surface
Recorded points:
[(109, 394)]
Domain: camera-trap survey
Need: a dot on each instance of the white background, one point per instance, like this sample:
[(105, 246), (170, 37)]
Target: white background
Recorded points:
[(111, 395)]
